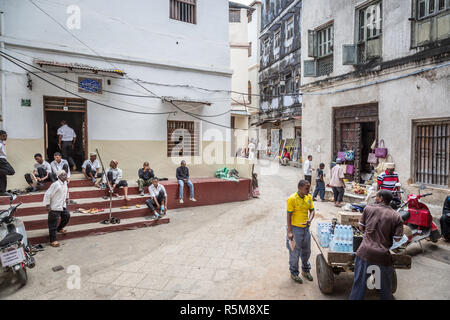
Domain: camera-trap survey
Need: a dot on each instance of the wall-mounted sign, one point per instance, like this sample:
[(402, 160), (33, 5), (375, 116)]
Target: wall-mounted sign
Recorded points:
[(89, 85), (25, 102)]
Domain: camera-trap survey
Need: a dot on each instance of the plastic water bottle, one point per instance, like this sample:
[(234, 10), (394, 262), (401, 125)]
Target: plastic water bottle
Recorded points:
[(337, 233), (332, 243)]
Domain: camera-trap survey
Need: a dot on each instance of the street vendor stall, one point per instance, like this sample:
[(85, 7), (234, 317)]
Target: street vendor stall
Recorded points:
[(330, 262)]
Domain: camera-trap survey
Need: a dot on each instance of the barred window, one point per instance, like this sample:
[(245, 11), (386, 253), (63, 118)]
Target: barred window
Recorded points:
[(183, 10), (325, 66), (183, 138), (431, 147)]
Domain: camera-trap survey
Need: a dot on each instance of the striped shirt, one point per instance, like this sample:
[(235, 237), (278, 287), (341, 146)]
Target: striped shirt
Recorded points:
[(387, 181)]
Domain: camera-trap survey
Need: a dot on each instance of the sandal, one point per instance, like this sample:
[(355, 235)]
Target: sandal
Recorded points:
[(106, 221), (296, 278), (55, 244), (63, 231)]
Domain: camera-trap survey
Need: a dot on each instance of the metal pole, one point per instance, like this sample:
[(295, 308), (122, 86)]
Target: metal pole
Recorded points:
[(107, 181)]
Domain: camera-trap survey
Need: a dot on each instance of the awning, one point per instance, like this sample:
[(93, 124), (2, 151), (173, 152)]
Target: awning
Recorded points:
[(77, 66), (185, 100), (240, 112)]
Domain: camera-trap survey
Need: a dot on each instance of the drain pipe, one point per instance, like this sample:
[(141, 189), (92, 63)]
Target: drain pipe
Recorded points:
[(2, 67)]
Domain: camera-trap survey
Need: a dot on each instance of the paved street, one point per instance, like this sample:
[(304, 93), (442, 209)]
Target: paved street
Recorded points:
[(229, 251)]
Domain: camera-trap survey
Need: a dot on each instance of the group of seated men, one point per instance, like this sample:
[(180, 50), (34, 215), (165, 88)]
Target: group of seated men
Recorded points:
[(112, 180)]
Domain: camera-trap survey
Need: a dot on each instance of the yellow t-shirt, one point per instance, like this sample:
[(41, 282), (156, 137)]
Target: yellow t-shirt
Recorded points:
[(299, 207)]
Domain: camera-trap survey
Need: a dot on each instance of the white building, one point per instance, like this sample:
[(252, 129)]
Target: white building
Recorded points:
[(377, 70), (239, 58), (179, 51)]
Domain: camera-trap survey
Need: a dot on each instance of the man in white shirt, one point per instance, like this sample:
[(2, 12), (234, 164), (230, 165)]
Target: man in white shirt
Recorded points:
[(5, 167), (337, 183), (114, 176), (307, 169), (158, 198), (66, 142), (91, 169), (55, 201), (60, 164), (42, 172)]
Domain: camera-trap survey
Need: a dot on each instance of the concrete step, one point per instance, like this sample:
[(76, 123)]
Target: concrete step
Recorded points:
[(77, 231), (40, 221)]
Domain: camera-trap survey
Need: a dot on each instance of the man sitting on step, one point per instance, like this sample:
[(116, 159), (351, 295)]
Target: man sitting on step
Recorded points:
[(90, 169), (114, 176), (182, 175), (60, 164), (42, 172), (158, 198), (55, 201), (146, 176)]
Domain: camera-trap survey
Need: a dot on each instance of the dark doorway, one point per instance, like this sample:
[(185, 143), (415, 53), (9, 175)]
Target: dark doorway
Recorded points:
[(74, 120), (368, 136)]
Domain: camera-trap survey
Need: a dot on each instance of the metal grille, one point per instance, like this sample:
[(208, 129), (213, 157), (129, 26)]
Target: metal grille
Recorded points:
[(325, 66), (432, 147), (183, 10), (183, 138)]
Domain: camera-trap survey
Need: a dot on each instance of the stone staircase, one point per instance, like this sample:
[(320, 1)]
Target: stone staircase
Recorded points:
[(34, 215)]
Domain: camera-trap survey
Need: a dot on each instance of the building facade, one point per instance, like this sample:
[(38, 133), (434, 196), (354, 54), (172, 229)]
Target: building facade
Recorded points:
[(132, 80), (239, 58), (279, 76), (378, 71), (254, 32)]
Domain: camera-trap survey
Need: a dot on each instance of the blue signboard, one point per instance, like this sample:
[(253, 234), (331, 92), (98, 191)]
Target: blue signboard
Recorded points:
[(90, 85)]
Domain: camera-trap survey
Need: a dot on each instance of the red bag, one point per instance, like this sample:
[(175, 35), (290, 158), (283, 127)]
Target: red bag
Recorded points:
[(382, 151)]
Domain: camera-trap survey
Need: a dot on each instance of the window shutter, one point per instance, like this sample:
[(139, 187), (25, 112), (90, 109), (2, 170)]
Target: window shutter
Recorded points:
[(374, 48), (309, 68), (312, 43), (349, 54)]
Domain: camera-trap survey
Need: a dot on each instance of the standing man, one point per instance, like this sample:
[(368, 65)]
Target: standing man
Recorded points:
[(320, 183), (66, 142), (146, 176), (55, 201), (42, 173), (388, 179), (183, 177), (114, 176), (337, 183), (300, 213), (5, 167), (158, 198), (307, 169), (381, 224), (91, 168), (60, 164)]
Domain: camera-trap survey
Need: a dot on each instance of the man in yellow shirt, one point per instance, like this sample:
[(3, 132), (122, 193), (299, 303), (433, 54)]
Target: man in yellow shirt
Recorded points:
[(300, 212)]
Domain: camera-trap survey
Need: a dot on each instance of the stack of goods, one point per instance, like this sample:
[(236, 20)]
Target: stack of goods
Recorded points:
[(324, 232), (342, 239)]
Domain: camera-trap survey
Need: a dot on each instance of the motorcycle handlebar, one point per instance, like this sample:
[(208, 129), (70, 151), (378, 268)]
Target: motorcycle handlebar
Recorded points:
[(426, 195)]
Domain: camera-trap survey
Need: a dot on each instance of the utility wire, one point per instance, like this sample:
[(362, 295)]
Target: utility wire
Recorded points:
[(79, 96)]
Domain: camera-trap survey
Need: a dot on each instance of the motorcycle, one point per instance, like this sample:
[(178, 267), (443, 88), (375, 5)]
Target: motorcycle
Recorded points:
[(419, 219), (15, 253)]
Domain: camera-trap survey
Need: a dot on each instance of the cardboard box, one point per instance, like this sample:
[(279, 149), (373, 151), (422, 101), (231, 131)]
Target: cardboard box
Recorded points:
[(349, 218)]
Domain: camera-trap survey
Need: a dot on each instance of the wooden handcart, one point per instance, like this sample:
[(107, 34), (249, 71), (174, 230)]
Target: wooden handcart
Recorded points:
[(329, 264)]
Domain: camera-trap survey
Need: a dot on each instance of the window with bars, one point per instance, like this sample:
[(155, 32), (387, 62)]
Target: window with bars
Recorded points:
[(325, 65), (235, 16), (432, 21), (183, 138), (183, 10), (431, 147), (325, 41)]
